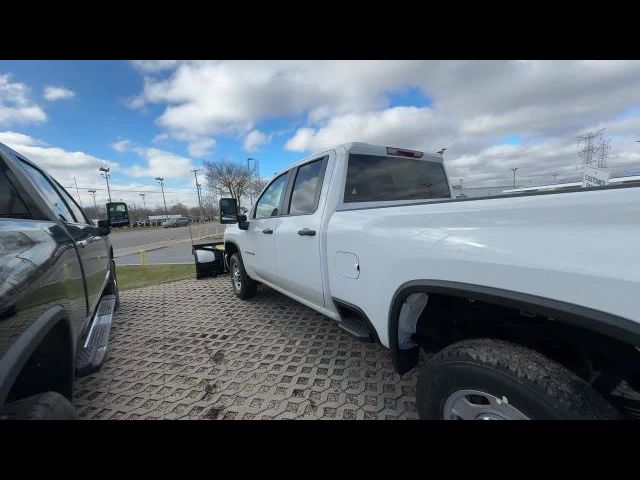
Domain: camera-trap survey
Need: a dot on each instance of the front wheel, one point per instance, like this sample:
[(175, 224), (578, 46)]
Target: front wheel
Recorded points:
[(487, 379), (243, 285)]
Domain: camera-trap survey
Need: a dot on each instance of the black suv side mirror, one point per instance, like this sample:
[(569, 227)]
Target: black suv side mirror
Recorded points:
[(228, 210), (117, 214)]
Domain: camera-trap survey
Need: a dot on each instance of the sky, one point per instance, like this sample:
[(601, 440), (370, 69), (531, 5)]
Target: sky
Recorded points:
[(152, 118)]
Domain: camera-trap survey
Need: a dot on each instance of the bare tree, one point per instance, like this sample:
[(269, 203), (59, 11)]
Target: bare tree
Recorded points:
[(258, 185), (228, 176)]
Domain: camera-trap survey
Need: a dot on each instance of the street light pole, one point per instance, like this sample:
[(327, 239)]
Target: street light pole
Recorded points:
[(106, 176), (514, 176), (161, 180)]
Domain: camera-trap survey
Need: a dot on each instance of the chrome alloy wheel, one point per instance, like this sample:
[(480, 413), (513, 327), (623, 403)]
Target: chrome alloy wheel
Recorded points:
[(477, 405)]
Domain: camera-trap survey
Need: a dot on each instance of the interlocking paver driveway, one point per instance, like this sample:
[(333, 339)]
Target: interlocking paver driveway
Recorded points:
[(192, 350)]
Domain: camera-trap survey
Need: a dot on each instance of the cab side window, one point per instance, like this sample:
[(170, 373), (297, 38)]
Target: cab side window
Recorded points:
[(269, 202), (306, 188), (11, 205), (71, 203), (50, 194)]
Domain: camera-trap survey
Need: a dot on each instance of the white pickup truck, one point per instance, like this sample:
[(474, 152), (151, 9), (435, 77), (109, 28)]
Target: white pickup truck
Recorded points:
[(527, 306)]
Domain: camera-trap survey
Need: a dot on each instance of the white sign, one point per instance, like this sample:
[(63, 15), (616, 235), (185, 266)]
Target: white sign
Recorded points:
[(594, 177)]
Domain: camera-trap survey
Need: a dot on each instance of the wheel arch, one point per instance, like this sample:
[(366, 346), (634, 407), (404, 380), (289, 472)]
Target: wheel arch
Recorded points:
[(23, 349), (596, 321)]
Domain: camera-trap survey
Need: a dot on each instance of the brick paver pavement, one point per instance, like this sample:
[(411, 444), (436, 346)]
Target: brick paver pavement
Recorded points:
[(192, 350)]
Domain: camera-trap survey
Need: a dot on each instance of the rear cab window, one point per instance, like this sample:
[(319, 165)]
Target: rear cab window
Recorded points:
[(373, 178)]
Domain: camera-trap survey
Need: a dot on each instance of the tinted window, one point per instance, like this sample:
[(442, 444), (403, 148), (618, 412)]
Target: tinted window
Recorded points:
[(77, 212), (50, 194), (306, 188), (11, 205), (373, 178), (270, 200)]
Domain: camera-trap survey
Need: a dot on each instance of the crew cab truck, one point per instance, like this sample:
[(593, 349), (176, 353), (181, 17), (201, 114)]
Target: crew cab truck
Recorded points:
[(527, 305), (58, 291)]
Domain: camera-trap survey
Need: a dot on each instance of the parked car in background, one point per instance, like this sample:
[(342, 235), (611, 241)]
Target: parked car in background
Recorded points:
[(58, 290), (176, 222), (528, 303)]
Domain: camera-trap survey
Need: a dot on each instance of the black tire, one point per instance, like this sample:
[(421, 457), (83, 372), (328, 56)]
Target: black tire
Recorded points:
[(247, 287), (112, 288), (535, 385), (43, 406)]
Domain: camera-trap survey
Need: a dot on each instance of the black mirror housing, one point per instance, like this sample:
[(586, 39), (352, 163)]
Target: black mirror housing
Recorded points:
[(228, 209), (117, 214), (243, 224)]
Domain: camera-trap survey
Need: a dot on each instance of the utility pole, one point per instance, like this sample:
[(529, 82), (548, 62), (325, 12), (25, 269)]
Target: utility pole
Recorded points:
[(461, 183), (93, 192), (106, 176), (195, 174), (555, 177), (514, 176), (143, 201), (78, 192), (161, 180)]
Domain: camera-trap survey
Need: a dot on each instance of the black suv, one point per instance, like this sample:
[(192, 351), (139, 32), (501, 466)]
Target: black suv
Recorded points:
[(58, 291)]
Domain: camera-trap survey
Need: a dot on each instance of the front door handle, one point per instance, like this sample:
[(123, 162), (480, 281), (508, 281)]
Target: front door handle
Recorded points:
[(268, 231), (82, 243), (307, 231)]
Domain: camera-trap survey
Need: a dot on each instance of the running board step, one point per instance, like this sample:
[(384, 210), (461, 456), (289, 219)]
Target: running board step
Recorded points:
[(357, 328), (94, 346)]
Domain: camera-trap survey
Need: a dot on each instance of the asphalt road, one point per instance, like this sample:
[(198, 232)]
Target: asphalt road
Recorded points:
[(163, 245), (178, 253)]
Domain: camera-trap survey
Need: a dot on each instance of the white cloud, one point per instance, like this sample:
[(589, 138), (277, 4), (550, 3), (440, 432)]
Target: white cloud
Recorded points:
[(255, 139), (153, 66), (62, 164), (161, 137), (159, 163), (53, 93), (121, 145), (472, 106), (201, 147), (407, 127), (16, 106)]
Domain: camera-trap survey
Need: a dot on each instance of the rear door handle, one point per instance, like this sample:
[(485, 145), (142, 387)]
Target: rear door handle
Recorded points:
[(307, 231), (268, 231)]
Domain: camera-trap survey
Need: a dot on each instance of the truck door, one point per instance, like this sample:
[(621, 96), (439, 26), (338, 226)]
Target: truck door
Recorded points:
[(91, 248), (298, 237), (258, 246)]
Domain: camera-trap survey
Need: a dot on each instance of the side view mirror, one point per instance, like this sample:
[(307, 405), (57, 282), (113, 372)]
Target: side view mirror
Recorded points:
[(103, 228), (117, 214), (228, 210)]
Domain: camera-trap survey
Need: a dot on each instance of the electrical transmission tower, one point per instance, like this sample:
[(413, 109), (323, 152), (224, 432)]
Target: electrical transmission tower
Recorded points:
[(591, 143), (604, 153)]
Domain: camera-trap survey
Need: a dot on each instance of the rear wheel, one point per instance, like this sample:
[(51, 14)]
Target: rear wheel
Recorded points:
[(486, 379), (243, 285), (43, 406)]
